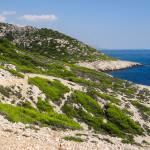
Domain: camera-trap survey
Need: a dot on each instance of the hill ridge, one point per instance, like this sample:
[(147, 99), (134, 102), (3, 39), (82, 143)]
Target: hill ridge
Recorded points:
[(56, 45)]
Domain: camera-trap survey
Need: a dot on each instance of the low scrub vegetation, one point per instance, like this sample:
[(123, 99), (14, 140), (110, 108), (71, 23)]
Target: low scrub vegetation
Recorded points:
[(44, 105), (59, 71), (87, 102), (93, 93), (123, 122), (142, 109), (69, 111), (16, 73), (117, 124), (72, 138), (33, 116), (83, 106), (53, 90), (5, 91)]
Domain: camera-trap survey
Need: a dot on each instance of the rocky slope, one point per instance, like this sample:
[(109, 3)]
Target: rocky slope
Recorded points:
[(31, 136), (50, 43), (64, 106), (25, 137)]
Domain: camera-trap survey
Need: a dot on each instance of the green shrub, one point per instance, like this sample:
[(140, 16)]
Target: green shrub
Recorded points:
[(23, 62), (5, 91), (82, 116), (93, 93), (13, 102), (26, 104), (126, 111), (87, 102), (116, 116), (32, 127), (143, 110), (107, 81), (81, 81), (80, 134), (130, 140), (148, 112), (43, 105), (107, 140), (127, 91), (145, 142), (59, 71), (140, 106), (33, 116), (16, 73), (91, 121), (71, 138), (112, 129), (53, 90), (69, 111)]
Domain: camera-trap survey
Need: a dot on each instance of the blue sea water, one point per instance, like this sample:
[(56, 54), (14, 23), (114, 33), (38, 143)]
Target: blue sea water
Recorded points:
[(137, 74)]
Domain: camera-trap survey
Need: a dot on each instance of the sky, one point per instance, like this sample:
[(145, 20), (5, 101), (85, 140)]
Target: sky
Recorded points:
[(110, 24)]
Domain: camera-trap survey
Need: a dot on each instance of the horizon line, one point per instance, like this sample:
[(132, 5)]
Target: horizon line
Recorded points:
[(125, 49)]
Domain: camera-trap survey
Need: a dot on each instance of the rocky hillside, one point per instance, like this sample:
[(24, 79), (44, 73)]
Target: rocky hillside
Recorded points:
[(52, 103), (52, 44)]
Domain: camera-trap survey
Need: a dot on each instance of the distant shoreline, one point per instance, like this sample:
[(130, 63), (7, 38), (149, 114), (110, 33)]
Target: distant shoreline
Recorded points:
[(123, 49), (108, 65)]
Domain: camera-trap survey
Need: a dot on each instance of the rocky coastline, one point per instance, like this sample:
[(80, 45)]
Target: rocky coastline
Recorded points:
[(108, 65)]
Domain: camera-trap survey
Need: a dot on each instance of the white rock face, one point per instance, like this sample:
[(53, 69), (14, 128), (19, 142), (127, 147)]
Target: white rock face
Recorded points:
[(108, 65), (9, 66)]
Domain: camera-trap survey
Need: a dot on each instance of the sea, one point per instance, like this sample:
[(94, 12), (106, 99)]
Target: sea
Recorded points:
[(136, 74)]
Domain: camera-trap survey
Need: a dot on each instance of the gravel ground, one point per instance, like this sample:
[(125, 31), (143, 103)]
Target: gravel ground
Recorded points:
[(15, 136)]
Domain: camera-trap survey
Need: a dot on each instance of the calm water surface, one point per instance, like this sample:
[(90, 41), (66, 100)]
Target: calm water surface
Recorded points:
[(137, 74)]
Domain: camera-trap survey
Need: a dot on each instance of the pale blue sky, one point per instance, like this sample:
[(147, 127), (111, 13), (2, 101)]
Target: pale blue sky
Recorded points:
[(113, 24)]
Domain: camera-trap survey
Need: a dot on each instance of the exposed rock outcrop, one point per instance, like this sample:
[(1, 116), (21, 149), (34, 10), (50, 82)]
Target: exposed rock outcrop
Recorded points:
[(108, 65)]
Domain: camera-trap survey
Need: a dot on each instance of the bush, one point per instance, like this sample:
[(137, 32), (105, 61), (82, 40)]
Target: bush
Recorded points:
[(81, 81), (80, 134), (140, 106), (93, 93), (69, 111), (87, 102), (126, 111), (33, 116), (59, 71), (127, 91), (83, 116), (143, 110), (26, 104), (112, 129), (116, 116), (15, 73), (71, 138), (44, 106), (5, 91), (23, 62), (53, 90)]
